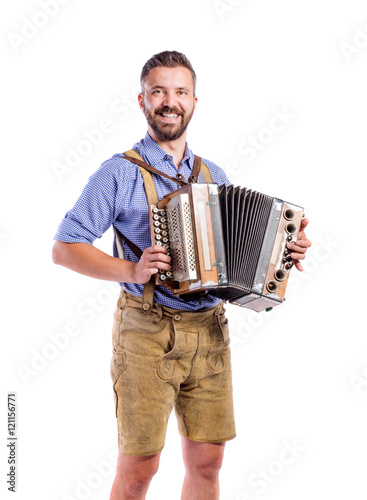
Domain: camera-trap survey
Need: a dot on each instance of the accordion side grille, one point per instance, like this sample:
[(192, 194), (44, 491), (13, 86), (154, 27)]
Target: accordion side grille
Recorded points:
[(189, 235), (176, 232), (182, 243)]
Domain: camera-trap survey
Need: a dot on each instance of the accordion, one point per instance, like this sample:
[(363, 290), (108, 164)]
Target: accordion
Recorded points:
[(228, 241)]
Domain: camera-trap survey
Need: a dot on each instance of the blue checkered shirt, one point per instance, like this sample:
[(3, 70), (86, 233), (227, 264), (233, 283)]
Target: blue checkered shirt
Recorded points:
[(115, 194)]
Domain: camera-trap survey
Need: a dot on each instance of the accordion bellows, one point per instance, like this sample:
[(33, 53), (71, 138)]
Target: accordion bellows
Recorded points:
[(229, 241)]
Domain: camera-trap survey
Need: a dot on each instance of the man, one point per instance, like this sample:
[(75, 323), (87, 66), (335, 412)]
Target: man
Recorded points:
[(174, 353)]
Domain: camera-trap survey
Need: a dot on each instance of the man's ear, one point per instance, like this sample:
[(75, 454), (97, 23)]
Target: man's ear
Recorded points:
[(140, 100)]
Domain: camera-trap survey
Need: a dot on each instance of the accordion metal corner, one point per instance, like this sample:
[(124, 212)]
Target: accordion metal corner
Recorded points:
[(228, 241)]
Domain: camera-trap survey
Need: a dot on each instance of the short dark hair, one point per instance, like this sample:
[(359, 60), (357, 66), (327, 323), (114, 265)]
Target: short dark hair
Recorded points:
[(168, 59)]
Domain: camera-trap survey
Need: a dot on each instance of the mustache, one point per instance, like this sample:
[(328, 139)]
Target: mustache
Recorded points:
[(168, 110)]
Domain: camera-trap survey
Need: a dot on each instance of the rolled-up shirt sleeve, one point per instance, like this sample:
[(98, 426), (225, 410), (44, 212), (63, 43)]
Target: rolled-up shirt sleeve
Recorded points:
[(94, 211)]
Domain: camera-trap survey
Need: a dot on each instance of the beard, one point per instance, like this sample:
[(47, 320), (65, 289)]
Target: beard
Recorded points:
[(167, 131)]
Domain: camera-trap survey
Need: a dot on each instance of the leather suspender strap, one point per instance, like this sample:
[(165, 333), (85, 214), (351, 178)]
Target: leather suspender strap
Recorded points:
[(120, 250), (178, 179), (152, 196), (199, 166), (195, 169), (205, 172)]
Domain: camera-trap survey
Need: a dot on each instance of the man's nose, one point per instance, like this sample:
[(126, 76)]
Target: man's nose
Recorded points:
[(170, 99)]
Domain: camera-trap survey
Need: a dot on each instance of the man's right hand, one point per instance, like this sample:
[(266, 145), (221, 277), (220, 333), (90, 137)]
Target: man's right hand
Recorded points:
[(152, 259), (86, 259)]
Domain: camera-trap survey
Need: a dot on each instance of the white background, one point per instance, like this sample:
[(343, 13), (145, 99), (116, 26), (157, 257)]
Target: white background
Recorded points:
[(300, 371)]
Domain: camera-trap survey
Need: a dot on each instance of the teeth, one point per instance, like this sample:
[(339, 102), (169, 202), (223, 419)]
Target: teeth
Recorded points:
[(169, 116)]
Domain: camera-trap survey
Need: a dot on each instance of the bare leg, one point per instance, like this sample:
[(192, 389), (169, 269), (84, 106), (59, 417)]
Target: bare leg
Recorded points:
[(202, 463), (133, 476)]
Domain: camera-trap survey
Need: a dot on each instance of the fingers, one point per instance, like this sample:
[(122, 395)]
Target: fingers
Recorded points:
[(155, 257), (299, 248), (304, 224), (298, 265)]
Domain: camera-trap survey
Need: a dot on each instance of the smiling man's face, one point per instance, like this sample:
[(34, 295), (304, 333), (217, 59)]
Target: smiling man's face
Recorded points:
[(168, 102)]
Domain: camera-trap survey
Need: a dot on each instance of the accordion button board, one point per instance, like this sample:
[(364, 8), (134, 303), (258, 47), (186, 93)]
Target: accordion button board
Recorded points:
[(228, 241)]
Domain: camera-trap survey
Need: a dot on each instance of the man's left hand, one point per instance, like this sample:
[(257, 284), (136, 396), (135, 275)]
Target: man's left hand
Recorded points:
[(299, 248)]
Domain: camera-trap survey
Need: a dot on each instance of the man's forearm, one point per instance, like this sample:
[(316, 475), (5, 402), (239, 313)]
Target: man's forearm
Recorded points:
[(90, 261)]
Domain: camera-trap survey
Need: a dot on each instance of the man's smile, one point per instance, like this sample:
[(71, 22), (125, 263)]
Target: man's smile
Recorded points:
[(169, 117)]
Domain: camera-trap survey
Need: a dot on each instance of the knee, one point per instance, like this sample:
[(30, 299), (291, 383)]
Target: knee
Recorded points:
[(134, 476), (138, 480), (210, 470), (207, 467)]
